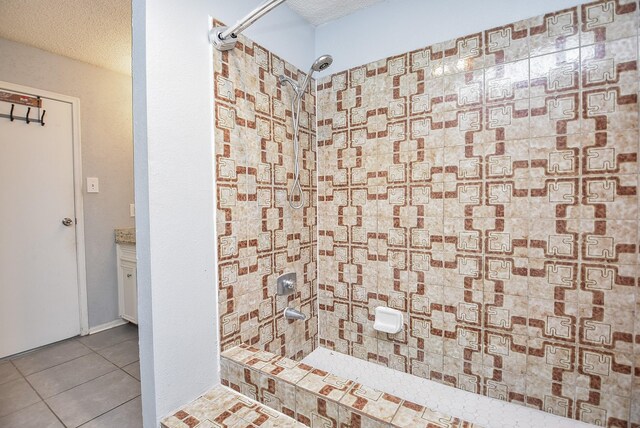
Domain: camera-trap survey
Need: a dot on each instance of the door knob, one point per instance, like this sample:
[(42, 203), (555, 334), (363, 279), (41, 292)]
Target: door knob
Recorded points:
[(67, 221)]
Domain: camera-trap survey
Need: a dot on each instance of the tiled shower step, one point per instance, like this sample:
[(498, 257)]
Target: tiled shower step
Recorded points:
[(223, 408), (318, 398)]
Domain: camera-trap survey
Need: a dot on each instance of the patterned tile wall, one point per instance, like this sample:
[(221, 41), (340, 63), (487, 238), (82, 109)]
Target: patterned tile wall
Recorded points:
[(487, 187), (317, 398), (259, 236), (223, 408)]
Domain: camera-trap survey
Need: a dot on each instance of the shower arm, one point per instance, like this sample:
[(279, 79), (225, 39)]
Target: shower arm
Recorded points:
[(225, 38)]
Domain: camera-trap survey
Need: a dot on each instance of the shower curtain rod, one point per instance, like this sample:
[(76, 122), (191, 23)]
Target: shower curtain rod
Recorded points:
[(225, 38)]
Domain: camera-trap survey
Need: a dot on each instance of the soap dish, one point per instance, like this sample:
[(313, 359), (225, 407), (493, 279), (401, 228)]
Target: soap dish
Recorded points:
[(388, 320)]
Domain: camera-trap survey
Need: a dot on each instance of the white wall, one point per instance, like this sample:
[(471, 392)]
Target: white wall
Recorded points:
[(397, 26), (173, 133), (107, 153)]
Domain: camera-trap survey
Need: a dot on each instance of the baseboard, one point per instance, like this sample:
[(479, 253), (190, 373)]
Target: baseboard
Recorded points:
[(107, 326)]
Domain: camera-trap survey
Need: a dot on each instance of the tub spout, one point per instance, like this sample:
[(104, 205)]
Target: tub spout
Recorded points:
[(294, 314)]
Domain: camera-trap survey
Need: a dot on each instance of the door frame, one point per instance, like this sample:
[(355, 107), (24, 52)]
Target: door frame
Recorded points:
[(77, 190)]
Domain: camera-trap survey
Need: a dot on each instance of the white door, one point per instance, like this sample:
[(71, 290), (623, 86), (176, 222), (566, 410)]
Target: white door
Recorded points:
[(39, 299)]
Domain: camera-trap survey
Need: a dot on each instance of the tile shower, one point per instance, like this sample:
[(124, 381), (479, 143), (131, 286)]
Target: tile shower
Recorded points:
[(485, 186), (259, 235)]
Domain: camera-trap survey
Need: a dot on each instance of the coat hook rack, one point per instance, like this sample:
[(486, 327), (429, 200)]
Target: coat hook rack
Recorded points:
[(25, 100)]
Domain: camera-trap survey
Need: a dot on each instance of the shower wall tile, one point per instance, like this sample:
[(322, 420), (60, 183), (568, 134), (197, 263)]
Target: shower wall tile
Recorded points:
[(487, 187), (259, 236)]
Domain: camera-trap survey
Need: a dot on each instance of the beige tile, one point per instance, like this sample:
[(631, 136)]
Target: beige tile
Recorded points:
[(16, 395), (601, 23), (50, 356), (133, 369), (67, 375), (370, 402), (325, 384), (110, 337), (89, 400), (8, 372), (37, 415), (122, 354), (413, 415), (554, 31), (314, 411), (128, 415)]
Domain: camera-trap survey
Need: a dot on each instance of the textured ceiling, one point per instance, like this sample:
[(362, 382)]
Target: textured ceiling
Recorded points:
[(99, 31), (93, 31), (318, 12)]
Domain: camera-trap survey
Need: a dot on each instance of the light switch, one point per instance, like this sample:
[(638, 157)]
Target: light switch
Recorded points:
[(93, 185)]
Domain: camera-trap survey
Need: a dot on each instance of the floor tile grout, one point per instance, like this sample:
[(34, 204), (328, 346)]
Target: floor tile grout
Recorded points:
[(76, 339), (41, 401), (134, 378), (40, 348), (91, 380), (110, 346), (75, 386), (44, 400), (55, 365), (110, 410), (92, 351)]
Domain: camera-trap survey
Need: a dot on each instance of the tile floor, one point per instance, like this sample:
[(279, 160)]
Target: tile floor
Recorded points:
[(89, 382)]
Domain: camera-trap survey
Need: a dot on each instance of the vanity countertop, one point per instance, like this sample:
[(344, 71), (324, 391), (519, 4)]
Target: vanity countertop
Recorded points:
[(126, 236)]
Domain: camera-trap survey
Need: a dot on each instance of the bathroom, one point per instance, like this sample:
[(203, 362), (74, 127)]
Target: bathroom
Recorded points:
[(387, 213), (475, 175)]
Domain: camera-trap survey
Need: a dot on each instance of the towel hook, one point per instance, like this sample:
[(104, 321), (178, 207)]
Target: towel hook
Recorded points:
[(42, 118), (27, 118), (11, 114)]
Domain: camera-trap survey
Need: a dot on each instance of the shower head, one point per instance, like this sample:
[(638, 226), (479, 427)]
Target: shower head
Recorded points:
[(322, 62)]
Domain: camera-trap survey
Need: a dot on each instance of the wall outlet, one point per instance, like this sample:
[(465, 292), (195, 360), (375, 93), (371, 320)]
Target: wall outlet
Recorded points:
[(93, 185), (132, 210)]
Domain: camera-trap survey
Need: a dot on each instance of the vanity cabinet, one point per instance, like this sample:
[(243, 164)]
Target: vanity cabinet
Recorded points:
[(127, 284)]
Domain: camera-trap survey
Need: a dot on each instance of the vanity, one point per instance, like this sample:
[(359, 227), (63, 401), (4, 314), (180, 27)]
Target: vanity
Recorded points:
[(127, 282)]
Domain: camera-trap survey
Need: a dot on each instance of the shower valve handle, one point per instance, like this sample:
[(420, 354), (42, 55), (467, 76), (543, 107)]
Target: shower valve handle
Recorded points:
[(286, 284)]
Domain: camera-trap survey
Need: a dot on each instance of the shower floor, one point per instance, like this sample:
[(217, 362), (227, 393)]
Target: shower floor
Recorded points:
[(485, 411)]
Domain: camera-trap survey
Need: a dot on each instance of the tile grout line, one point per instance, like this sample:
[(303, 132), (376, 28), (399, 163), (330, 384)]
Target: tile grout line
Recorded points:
[(44, 400), (41, 401), (38, 349), (111, 410), (111, 345), (55, 365), (91, 352), (97, 352), (122, 368), (91, 380), (11, 359), (338, 402), (80, 384), (84, 383)]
